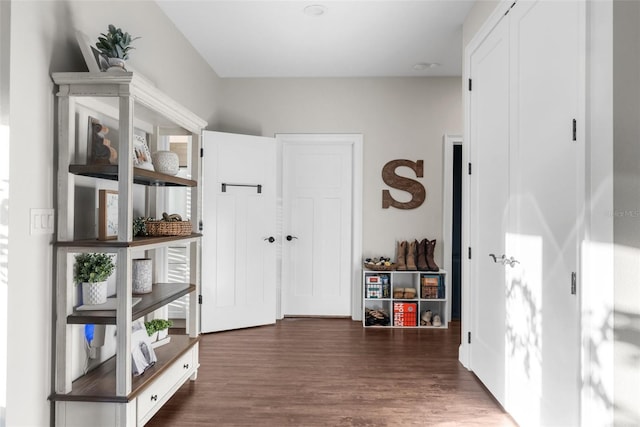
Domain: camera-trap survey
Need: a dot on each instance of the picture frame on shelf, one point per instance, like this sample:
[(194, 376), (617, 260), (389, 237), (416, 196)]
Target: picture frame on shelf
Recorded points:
[(107, 215), (141, 153), (99, 149), (101, 60), (96, 62), (142, 354)]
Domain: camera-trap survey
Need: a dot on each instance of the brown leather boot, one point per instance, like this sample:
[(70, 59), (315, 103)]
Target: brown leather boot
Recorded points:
[(401, 256), (422, 256), (411, 255), (431, 264)]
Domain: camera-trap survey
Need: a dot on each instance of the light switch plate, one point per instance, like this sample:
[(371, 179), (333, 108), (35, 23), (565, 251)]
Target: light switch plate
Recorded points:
[(42, 221)]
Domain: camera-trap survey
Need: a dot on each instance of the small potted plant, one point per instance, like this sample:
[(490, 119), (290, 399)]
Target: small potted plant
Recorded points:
[(115, 45), (158, 329), (93, 270)]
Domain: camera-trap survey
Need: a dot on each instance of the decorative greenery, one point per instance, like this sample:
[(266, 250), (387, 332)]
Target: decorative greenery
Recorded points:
[(115, 43), (139, 226), (156, 325), (93, 267)]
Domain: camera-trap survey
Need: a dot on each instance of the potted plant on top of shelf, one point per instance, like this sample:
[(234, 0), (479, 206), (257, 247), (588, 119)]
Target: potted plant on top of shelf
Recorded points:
[(93, 270), (115, 45), (158, 329)]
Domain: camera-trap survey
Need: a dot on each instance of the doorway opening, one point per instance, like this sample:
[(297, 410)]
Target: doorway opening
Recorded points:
[(452, 219)]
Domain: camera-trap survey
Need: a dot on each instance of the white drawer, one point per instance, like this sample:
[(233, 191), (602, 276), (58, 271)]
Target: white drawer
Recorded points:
[(161, 389)]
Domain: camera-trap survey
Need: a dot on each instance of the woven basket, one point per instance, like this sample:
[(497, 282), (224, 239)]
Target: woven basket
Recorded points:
[(380, 267), (168, 228)]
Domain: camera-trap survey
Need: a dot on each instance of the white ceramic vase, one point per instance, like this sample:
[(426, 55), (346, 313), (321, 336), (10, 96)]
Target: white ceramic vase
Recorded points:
[(116, 65), (141, 275), (94, 293), (163, 334), (166, 162)]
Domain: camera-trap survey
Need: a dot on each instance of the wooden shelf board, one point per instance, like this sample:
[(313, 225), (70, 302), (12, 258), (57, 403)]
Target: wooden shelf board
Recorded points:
[(136, 242), (99, 385), (140, 176), (162, 294)]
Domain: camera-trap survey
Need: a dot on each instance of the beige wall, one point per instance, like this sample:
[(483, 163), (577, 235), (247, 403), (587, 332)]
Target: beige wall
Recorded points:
[(626, 108), (400, 118), (476, 18), (43, 41)]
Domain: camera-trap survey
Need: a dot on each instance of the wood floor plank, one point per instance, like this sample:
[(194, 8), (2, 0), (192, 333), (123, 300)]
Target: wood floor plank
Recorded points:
[(331, 372)]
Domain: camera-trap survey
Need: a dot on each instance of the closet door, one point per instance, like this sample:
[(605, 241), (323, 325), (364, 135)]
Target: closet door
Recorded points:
[(543, 335), (489, 205)]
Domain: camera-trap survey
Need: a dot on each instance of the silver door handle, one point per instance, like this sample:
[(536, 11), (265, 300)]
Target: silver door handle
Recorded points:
[(511, 261), (497, 259), (504, 260)]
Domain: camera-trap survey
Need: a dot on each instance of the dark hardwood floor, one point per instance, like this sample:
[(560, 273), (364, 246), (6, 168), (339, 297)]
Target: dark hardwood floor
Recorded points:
[(331, 372)]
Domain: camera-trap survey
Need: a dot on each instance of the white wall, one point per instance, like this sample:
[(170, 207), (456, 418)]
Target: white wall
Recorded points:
[(626, 107), (5, 26), (400, 118), (43, 41)]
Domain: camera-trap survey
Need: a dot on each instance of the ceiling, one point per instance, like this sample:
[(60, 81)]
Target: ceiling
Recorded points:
[(350, 39)]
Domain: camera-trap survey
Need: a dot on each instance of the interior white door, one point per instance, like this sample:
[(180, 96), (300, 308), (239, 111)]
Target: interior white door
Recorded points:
[(489, 206), (543, 335), (238, 245), (317, 225)]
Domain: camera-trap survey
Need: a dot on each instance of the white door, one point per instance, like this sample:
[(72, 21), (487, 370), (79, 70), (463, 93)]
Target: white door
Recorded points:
[(239, 218), (489, 205), (543, 336), (527, 192), (317, 225)]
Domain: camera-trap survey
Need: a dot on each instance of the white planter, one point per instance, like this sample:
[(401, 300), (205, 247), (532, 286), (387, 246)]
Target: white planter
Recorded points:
[(94, 293), (166, 162), (163, 334), (116, 65), (141, 272)]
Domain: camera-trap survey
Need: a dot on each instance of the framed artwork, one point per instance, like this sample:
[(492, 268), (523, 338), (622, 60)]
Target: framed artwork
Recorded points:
[(142, 354), (101, 60), (107, 215), (99, 149), (141, 153), (95, 61)]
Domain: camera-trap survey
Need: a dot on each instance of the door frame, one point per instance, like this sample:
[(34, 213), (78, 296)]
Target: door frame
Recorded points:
[(449, 141), (356, 142)]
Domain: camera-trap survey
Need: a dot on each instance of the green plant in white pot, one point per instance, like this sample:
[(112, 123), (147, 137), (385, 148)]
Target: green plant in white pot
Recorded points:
[(115, 44), (157, 329), (93, 270)]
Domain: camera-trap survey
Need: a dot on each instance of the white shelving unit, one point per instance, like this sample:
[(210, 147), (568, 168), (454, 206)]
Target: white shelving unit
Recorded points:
[(403, 296), (110, 394)]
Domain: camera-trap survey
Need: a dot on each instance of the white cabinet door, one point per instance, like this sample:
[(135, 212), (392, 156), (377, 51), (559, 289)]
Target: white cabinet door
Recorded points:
[(489, 205), (526, 203), (317, 214), (543, 335), (238, 258)]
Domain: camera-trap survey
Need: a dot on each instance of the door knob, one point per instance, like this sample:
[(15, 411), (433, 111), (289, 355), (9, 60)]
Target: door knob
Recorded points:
[(497, 259), (504, 260), (290, 237), (271, 239), (511, 261)]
